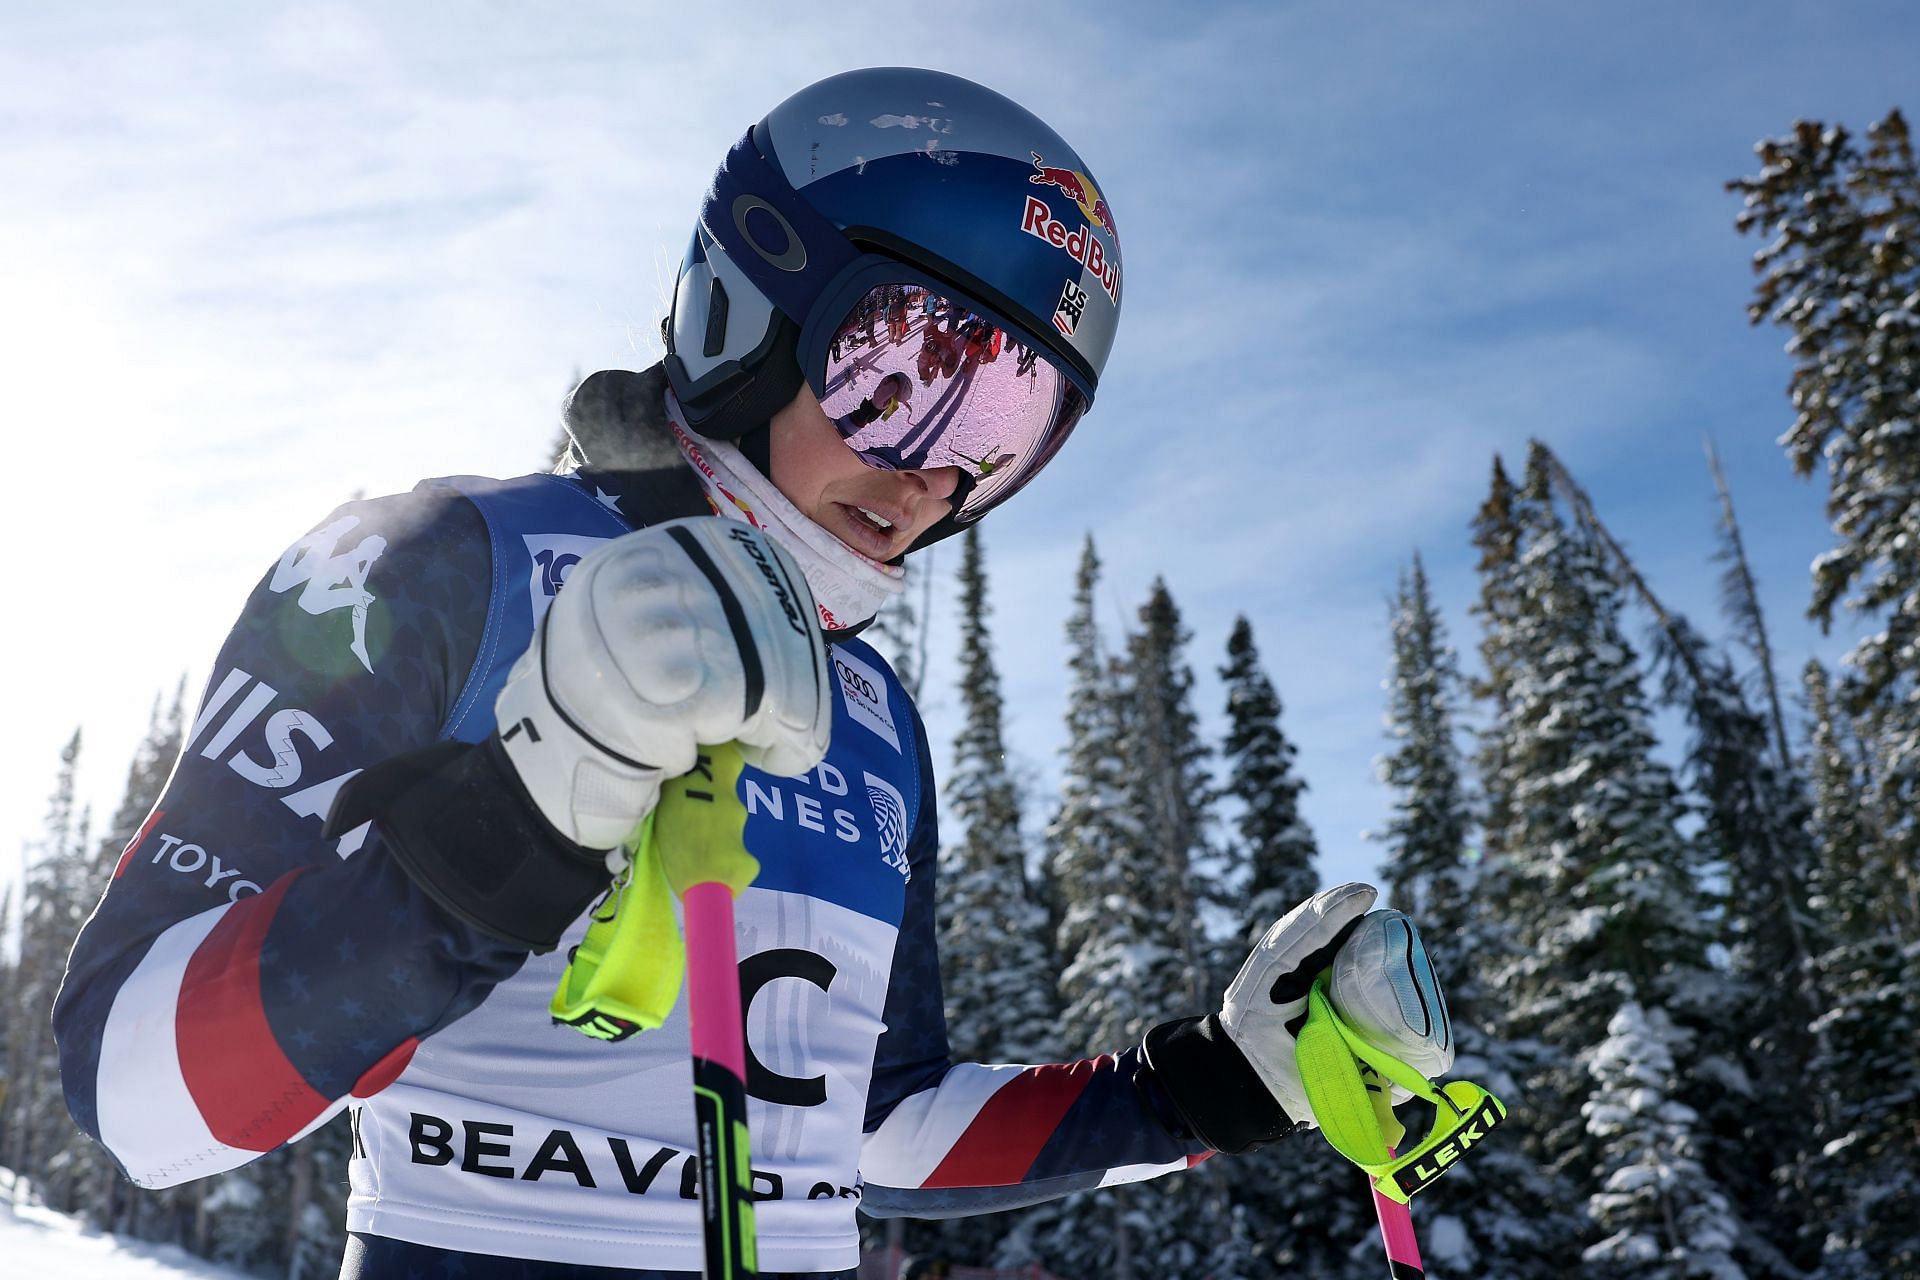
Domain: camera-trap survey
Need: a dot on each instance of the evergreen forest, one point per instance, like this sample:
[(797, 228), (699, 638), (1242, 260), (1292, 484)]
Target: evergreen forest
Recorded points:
[(1697, 987)]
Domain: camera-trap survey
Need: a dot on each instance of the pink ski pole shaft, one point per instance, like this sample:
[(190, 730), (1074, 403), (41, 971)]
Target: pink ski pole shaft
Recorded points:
[(1396, 1233), (700, 828)]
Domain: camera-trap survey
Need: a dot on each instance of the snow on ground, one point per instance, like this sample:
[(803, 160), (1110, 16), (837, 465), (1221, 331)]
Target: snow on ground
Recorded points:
[(38, 1242)]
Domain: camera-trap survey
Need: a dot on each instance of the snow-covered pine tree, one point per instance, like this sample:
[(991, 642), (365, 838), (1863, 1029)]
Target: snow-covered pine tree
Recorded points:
[(996, 958), (1426, 838), (1755, 840), (1499, 1212), (1184, 1218), (1274, 848), (1602, 894), (1496, 534), (1841, 272), (1664, 1217), (1172, 795), (1863, 1186), (1297, 1207), (1756, 1045), (1106, 928), (994, 955), (1740, 602), (41, 1142)]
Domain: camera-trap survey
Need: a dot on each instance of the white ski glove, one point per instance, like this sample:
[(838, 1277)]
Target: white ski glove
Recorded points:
[(1270, 991), (686, 633), (1232, 1078), (693, 631)]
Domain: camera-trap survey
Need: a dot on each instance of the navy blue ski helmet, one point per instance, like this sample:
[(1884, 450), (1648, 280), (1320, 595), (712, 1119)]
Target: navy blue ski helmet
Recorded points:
[(931, 258)]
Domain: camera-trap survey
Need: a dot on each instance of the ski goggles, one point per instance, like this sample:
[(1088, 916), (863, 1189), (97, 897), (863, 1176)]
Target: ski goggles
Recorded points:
[(915, 374)]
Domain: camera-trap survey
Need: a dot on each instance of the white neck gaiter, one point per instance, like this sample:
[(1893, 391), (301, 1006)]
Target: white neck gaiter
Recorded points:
[(848, 588)]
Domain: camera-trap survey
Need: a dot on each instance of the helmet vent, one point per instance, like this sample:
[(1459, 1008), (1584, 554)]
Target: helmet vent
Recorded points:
[(715, 340)]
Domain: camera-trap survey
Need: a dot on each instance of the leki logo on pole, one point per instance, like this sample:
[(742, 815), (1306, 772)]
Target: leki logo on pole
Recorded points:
[(1350, 1083)]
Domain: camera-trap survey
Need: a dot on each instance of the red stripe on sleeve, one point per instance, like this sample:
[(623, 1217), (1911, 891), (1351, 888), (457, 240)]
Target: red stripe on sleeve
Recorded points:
[(126, 854), (249, 1094), (387, 1070), (1004, 1140)]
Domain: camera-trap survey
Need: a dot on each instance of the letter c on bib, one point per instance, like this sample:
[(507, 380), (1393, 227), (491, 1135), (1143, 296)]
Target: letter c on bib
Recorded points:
[(756, 971)]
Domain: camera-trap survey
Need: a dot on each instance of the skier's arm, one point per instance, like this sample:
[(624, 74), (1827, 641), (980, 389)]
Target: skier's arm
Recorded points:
[(243, 976), (948, 1140), (195, 1038)]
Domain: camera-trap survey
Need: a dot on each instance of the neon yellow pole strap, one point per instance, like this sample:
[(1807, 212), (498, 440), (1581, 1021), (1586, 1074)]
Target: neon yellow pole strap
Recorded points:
[(1356, 1112), (627, 972)]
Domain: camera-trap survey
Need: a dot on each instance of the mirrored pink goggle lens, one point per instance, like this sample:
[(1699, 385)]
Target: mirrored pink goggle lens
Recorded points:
[(917, 380)]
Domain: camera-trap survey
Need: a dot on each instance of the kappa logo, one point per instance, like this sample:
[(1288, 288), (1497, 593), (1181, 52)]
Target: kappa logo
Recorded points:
[(890, 819), (864, 690), (332, 579)]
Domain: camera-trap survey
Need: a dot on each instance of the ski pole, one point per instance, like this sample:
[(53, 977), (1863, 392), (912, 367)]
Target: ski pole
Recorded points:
[(1395, 1217), (1396, 1233), (699, 828), (1349, 1084), (625, 975)]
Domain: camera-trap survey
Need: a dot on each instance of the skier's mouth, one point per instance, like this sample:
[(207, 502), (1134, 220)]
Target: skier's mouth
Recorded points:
[(868, 531)]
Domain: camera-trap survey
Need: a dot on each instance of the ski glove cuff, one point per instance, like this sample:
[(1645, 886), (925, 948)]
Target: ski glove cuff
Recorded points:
[(460, 823), (1213, 1090)]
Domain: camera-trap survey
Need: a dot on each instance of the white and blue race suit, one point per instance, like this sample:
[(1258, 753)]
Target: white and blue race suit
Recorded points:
[(244, 978)]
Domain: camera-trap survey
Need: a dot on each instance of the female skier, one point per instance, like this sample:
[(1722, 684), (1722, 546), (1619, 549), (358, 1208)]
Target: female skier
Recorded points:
[(442, 713)]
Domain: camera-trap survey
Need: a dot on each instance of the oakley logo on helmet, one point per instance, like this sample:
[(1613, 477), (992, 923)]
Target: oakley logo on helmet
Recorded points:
[(1083, 246), (793, 257)]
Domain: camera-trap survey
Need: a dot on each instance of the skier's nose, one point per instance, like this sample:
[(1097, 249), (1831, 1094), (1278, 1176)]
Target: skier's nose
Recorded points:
[(936, 482)]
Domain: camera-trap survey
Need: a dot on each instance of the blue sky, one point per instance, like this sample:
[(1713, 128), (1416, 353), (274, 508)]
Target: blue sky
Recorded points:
[(258, 257)]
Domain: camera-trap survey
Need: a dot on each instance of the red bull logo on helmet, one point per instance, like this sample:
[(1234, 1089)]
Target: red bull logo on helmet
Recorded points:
[(1083, 245), (1077, 187)]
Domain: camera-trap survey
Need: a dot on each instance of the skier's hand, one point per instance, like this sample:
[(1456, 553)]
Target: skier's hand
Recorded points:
[(1231, 1077), (692, 631), (687, 632), (1383, 987)]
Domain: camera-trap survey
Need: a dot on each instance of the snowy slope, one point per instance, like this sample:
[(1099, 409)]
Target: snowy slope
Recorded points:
[(36, 1242)]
